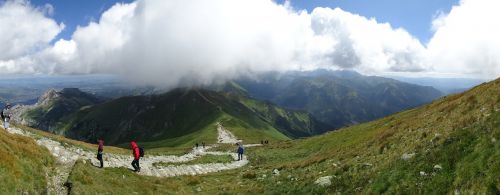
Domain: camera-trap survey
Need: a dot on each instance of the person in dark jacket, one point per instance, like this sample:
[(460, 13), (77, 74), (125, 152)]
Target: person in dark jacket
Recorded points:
[(240, 151), (6, 113), (136, 154), (100, 149)]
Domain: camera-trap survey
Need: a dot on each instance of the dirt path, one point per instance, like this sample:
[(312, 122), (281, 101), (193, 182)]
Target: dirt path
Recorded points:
[(67, 155)]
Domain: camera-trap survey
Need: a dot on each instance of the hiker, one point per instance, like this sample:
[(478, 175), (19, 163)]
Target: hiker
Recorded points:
[(240, 151), (261, 142), (100, 148), (6, 114), (1, 115), (203, 144), (136, 152), (196, 145)]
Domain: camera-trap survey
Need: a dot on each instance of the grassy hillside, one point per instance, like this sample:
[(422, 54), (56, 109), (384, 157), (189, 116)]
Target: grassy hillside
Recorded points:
[(451, 145), (458, 133), (290, 122), (23, 165)]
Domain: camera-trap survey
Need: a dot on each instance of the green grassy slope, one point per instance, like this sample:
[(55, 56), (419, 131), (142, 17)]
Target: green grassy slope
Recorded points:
[(459, 133), (292, 123), (23, 165)]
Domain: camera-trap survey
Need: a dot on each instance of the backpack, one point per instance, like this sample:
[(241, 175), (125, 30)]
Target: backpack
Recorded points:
[(141, 152)]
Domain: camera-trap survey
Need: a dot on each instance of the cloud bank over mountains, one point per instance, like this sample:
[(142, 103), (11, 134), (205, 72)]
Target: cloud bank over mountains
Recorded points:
[(192, 42)]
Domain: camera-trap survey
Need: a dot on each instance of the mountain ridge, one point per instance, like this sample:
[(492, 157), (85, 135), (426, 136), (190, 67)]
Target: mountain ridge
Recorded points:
[(338, 98)]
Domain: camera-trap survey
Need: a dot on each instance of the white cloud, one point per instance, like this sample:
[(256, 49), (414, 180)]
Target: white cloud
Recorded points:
[(173, 42), (24, 30), (467, 41), (366, 45), (186, 42)]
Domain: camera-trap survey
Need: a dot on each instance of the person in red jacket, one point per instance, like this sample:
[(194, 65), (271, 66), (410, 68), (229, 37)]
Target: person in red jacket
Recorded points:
[(100, 148), (136, 153)]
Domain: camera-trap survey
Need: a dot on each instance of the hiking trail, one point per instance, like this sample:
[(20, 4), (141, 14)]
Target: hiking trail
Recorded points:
[(67, 155)]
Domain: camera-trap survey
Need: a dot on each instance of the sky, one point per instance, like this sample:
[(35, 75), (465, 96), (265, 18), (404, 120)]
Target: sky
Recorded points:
[(198, 42), (75, 13), (412, 15)]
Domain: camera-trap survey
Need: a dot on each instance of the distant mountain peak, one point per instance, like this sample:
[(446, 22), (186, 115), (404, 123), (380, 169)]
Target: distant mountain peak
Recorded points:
[(53, 94), (47, 97)]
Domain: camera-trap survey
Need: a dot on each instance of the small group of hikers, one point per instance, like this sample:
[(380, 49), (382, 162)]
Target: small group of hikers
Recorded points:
[(197, 145), (264, 142), (6, 114), (137, 153)]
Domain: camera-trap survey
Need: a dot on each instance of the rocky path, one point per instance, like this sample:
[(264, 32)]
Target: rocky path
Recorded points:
[(225, 136), (67, 155)]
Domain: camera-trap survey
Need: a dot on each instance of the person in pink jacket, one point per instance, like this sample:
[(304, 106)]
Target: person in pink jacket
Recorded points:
[(100, 149), (136, 153)]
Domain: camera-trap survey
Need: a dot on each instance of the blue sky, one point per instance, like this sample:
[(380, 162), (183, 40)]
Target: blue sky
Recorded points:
[(76, 12), (413, 15)]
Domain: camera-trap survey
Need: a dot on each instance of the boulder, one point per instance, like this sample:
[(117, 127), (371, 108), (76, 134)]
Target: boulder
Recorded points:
[(407, 156), (324, 181)]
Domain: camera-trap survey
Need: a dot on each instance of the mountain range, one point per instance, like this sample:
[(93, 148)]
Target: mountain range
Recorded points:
[(337, 98), (287, 106)]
